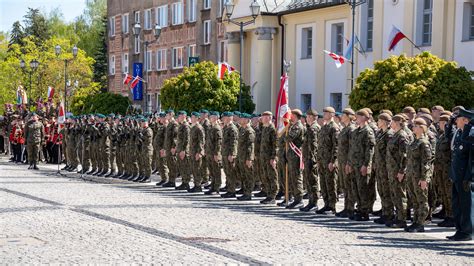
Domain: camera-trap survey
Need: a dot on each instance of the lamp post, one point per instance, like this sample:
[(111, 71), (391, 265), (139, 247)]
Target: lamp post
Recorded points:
[(353, 4), (57, 50), (137, 29), (33, 66), (255, 10)]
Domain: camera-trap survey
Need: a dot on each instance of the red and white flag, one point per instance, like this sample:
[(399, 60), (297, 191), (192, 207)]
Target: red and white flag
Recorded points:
[(127, 79), (283, 112), (134, 82), (394, 38), (61, 115), (50, 93), (224, 67), (338, 59)]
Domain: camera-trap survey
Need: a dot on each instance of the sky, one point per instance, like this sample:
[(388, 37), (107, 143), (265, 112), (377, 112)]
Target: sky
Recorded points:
[(13, 10)]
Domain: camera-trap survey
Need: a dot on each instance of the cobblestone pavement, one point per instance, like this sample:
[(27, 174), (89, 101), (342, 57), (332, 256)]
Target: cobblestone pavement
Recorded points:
[(50, 218)]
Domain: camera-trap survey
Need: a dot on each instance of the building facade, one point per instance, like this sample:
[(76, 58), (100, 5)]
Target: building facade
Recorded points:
[(299, 31), (189, 28)]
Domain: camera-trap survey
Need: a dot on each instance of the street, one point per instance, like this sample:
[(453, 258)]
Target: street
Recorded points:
[(50, 218)]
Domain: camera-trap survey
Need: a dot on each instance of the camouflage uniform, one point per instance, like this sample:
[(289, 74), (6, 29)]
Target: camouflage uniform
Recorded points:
[(170, 143), (310, 154), (327, 147), (442, 164), (182, 145), (257, 166), (197, 142), (245, 152), (213, 148), (295, 137), (159, 144), (229, 148), (34, 135), (281, 166), (419, 156), (146, 151), (268, 152), (206, 124), (381, 173), (342, 157)]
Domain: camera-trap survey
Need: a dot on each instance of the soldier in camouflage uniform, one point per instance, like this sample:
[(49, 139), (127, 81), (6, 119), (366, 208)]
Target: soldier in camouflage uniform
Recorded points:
[(268, 158), (213, 153), (257, 167), (230, 136), (206, 124), (94, 145), (121, 143), (419, 156), (327, 158), (105, 146), (170, 148), (380, 167), (196, 151), (146, 151), (245, 156), (442, 164), (396, 166), (34, 135), (359, 163), (347, 120), (294, 139), (182, 150), (281, 166), (310, 154), (159, 141)]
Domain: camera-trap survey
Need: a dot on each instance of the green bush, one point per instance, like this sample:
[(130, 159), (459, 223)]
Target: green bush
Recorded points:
[(104, 103), (421, 81), (199, 87)]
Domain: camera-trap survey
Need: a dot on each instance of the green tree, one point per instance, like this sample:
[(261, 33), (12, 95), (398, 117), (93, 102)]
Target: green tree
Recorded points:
[(36, 26), (100, 56), (105, 103), (421, 81), (199, 87), (17, 34)]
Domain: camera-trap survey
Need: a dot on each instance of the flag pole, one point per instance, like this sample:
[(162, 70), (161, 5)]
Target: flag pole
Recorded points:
[(416, 46), (287, 192)]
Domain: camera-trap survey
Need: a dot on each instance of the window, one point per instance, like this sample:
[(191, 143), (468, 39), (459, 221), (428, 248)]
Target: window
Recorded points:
[(158, 102), (112, 26), (221, 8), (148, 60), (125, 63), (137, 44), (370, 25), (468, 22), (147, 19), (207, 4), (222, 51), (161, 59), (177, 11), (125, 23), (162, 16), (112, 65), (192, 50), (192, 10), (337, 38), (307, 43), (148, 102), (336, 101), (137, 16), (427, 17), (177, 57), (207, 31), (305, 102)]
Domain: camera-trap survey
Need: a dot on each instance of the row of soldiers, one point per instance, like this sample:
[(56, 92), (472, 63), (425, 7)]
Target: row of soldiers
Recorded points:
[(404, 158)]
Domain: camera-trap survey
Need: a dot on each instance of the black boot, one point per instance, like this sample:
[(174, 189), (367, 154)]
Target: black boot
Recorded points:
[(308, 207), (295, 204), (228, 195)]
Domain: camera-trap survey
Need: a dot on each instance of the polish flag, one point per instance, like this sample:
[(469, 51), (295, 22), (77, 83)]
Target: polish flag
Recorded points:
[(338, 60), (283, 112), (224, 67), (394, 38), (127, 79), (50, 93), (134, 82)]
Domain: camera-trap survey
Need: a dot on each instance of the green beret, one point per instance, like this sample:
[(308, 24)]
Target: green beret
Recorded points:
[(214, 113), (111, 115), (237, 113), (204, 111), (196, 114), (303, 115), (245, 115), (162, 114), (338, 114), (227, 114), (182, 113), (255, 115), (169, 111)]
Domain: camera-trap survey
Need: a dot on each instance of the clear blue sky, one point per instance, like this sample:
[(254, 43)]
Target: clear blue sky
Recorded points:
[(13, 10)]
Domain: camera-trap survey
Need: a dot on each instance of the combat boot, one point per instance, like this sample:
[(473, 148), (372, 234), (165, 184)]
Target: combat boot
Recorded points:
[(308, 207), (195, 189), (228, 195), (415, 228), (361, 217), (381, 220), (295, 204), (183, 186), (325, 209), (261, 194), (342, 214), (211, 192), (145, 179), (280, 195), (244, 198), (162, 181), (238, 192), (169, 184), (396, 224), (447, 222), (268, 200), (35, 167)]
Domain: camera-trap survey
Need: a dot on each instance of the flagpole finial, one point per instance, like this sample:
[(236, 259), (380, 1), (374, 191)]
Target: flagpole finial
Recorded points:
[(286, 65)]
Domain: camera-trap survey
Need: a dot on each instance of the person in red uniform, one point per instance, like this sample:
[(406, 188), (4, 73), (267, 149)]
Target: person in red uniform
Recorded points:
[(17, 139)]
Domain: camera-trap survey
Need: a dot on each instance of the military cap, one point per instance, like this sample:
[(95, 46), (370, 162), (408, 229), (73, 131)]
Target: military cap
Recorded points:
[(169, 111), (363, 112), (101, 116), (385, 116), (214, 113), (348, 111), (386, 111), (427, 117), (466, 113), (196, 114), (312, 112), (444, 118), (424, 110), (437, 108), (399, 118), (405, 116), (297, 112), (255, 115), (162, 114), (329, 109), (446, 112), (457, 108), (320, 115), (227, 114), (368, 110), (33, 114), (204, 111), (244, 115), (267, 113), (338, 114), (420, 122), (237, 113), (182, 112), (409, 110), (303, 115)]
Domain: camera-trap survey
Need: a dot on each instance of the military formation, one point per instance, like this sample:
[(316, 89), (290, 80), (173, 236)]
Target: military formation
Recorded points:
[(403, 158)]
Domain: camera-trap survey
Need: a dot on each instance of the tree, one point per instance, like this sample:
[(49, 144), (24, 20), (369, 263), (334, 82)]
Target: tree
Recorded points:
[(199, 87), (36, 26), (100, 56), (421, 81), (105, 103), (17, 34)]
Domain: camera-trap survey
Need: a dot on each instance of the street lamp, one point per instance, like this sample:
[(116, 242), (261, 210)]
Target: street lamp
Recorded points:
[(57, 50), (137, 30), (33, 66), (255, 11)]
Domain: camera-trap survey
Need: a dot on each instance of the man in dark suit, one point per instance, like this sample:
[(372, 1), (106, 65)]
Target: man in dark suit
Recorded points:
[(461, 173)]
